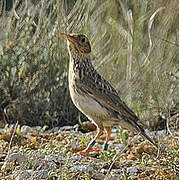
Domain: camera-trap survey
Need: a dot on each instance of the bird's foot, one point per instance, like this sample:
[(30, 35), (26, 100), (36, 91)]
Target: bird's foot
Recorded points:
[(87, 150)]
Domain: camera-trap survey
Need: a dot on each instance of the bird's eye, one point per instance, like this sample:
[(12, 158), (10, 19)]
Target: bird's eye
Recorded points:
[(83, 40)]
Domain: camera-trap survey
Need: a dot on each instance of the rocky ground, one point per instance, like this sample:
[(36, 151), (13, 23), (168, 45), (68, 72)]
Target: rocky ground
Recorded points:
[(35, 153)]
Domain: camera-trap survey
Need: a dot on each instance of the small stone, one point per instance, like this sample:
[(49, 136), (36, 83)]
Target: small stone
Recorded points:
[(104, 171), (14, 157), (56, 129), (42, 174), (116, 171), (82, 167), (67, 128), (132, 170), (99, 176), (24, 174), (30, 131), (121, 147), (26, 130), (87, 127), (61, 158), (74, 145), (76, 158), (115, 177), (38, 128)]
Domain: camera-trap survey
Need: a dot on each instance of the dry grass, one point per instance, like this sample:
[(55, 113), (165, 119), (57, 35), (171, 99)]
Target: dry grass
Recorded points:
[(134, 45)]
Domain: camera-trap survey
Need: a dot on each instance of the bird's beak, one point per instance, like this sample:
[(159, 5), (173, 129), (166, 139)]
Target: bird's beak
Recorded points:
[(69, 37)]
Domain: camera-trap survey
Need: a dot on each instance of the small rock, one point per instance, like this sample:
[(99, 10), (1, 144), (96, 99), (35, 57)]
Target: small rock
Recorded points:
[(116, 171), (18, 157), (26, 130), (24, 174), (115, 177), (74, 145), (29, 131), (162, 133), (89, 126), (56, 129), (51, 158), (98, 176), (158, 133), (38, 128), (132, 170), (53, 130), (121, 147), (41, 174), (63, 150), (61, 158), (67, 128), (103, 171), (76, 158), (82, 167)]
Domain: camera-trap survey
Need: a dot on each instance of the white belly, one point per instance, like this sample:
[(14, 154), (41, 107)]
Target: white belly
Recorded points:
[(87, 105)]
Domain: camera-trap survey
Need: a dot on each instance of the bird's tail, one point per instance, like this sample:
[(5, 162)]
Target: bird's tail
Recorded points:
[(141, 131)]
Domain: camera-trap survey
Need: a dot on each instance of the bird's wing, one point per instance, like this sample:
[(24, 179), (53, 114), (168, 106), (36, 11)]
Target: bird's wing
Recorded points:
[(101, 90)]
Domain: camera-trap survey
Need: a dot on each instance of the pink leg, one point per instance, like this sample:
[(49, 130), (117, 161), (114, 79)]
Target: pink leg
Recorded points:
[(91, 144)]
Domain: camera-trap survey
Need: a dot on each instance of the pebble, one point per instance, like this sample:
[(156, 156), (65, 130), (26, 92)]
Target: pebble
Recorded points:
[(18, 157), (42, 174), (132, 170), (121, 147), (86, 168)]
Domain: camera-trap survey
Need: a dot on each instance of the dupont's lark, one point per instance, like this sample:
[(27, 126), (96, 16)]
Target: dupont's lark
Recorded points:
[(94, 96)]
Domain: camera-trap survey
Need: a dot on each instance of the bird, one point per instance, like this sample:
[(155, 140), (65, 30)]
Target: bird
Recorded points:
[(94, 96)]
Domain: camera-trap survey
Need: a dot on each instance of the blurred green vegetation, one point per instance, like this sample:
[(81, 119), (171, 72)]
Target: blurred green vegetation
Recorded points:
[(134, 45)]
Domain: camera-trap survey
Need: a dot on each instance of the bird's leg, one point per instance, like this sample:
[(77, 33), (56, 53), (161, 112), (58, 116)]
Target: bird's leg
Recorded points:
[(92, 143), (108, 134)]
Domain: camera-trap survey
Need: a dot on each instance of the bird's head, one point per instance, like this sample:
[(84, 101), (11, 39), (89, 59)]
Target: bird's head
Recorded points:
[(77, 44)]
